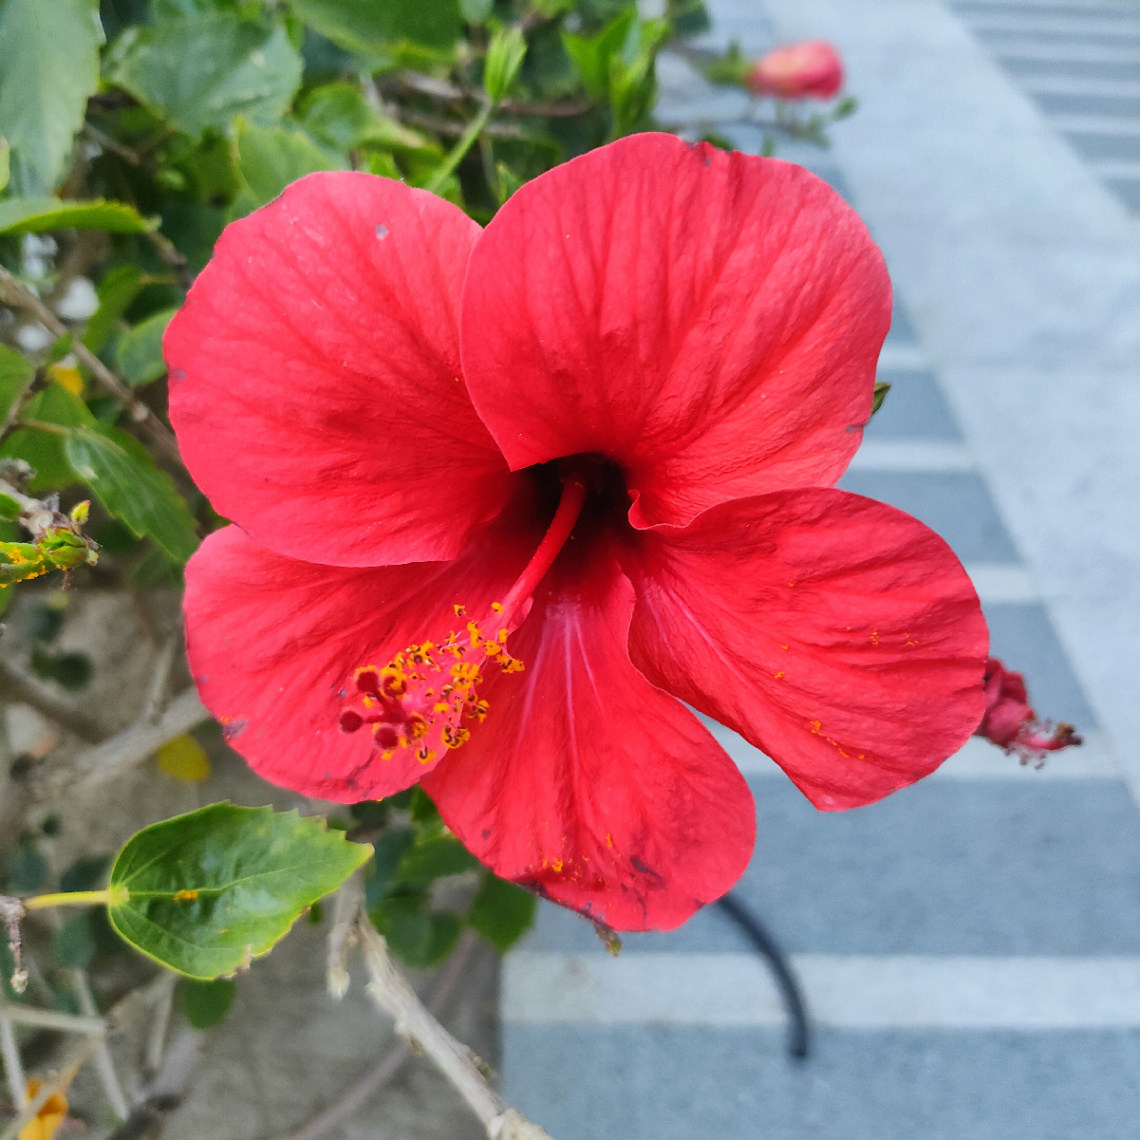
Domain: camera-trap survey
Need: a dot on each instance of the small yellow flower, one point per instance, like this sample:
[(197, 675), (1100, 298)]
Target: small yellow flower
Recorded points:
[(50, 1116)]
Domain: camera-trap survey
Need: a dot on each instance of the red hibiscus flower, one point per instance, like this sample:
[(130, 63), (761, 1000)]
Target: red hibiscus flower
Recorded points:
[(503, 496), (808, 70), (1011, 723)]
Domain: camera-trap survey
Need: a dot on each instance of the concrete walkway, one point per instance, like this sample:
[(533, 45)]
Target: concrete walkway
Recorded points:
[(971, 946)]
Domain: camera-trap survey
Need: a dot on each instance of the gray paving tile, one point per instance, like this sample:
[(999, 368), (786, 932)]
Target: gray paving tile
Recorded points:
[(1072, 69), (1097, 10), (951, 867), (1024, 637), (1101, 146), (1115, 105), (1060, 40), (1127, 190), (902, 330), (958, 506), (671, 1083), (914, 409)]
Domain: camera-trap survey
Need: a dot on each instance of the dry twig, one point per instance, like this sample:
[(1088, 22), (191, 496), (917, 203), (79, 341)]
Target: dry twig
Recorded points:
[(15, 293), (393, 993)]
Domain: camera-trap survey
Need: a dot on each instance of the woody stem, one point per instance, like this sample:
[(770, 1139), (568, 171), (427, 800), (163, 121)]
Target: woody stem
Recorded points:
[(569, 508)]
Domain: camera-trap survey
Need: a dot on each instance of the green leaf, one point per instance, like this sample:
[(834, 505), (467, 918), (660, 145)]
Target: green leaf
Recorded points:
[(5, 163), (206, 1003), (85, 874), (421, 938), (505, 55), (72, 671), (26, 869), (38, 215), (119, 287), (501, 912), (138, 355), (380, 876), (435, 859), (73, 945), (51, 66), (211, 890), (365, 25), (133, 489), (476, 11), (592, 55), (202, 72), (272, 157), (45, 450), (15, 372), (882, 387), (338, 115)]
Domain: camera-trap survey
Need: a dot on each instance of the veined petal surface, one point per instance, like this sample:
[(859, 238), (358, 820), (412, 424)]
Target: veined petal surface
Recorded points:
[(273, 643), (837, 634), (589, 784), (709, 321), (315, 381)]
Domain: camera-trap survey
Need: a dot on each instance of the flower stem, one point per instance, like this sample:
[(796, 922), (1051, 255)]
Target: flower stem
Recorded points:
[(455, 156), (110, 897)]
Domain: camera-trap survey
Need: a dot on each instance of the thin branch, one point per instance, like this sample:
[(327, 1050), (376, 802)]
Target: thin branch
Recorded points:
[(440, 89), (156, 692), (454, 128), (347, 903), (113, 145), (358, 1094), (166, 1092), (75, 1061), (17, 689), (13, 1070), (12, 418), (156, 1039), (104, 1066), (167, 250), (393, 993), (51, 1019), (126, 750), (14, 292)]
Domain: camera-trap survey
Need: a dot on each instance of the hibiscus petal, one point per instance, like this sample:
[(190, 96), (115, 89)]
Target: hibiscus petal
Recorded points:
[(837, 634), (709, 321), (587, 783), (273, 644), (315, 377)]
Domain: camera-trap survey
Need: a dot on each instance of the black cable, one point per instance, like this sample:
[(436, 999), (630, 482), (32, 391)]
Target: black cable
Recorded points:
[(798, 1028)]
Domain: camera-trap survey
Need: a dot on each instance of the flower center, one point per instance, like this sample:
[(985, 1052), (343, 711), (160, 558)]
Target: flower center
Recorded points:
[(427, 697)]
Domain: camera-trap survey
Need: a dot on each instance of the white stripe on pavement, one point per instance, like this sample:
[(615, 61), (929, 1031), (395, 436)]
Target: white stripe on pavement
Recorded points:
[(997, 583), (911, 455), (1067, 53), (1030, 22), (976, 760), (1117, 126), (1128, 169), (1070, 85), (901, 358), (856, 992)]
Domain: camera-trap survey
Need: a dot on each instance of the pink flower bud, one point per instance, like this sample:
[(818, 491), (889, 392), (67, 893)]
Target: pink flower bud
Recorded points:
[(1010, 721), (808, 70)]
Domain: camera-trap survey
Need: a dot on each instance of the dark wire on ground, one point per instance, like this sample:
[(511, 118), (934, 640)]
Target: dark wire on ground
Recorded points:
[(750, 924)]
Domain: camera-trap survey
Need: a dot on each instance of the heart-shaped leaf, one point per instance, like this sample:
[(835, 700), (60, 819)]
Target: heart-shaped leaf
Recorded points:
[(207, 892)]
